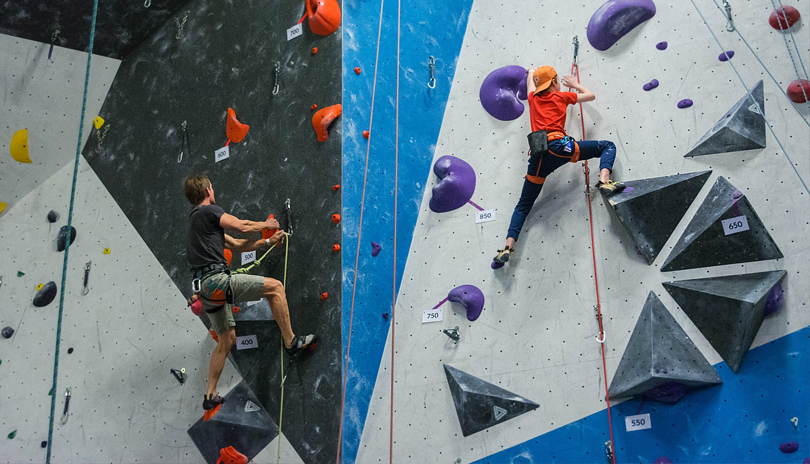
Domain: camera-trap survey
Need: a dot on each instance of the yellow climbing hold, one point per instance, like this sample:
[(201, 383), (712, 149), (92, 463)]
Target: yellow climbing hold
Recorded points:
[(98, 122), (3, 206), (39, 286), (107, 251), (19, 146)]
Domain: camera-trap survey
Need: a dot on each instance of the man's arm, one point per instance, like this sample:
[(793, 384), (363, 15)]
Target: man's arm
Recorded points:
[(530, 87), (242, 245), (585, 95), (229, 222)]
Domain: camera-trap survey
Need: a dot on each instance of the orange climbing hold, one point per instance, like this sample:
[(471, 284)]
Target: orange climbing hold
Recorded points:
[(211, 413), (228, 256), (336, 248), (267, 233), (336, 187), (236, 309), (336, 218), (324, 16), (313, 107), (314, 50), (324, 296), (236, 130), (229, 455), (323, 118), (357, 71), (214, 335), (366, 134)]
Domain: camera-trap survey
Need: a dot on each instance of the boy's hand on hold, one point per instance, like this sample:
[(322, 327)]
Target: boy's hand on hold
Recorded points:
[(569, 81)]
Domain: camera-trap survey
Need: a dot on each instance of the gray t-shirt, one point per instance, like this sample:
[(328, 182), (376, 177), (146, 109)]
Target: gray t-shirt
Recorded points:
[(206, 238)]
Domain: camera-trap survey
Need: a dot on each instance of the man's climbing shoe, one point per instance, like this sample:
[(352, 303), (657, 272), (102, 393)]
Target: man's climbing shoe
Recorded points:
[(210, 402), (609, 187), (503, 255), (302, 343)]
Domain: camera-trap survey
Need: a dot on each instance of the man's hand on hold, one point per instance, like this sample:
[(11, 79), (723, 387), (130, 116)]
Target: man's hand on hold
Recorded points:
[(278, 237), (271, 223)]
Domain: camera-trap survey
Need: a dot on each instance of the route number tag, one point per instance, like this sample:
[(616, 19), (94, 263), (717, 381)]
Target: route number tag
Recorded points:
[(432, 315), (247, 342), (294, 32), (484, 216), (734, 225), (222, 153), (248, 257), (638, 422)]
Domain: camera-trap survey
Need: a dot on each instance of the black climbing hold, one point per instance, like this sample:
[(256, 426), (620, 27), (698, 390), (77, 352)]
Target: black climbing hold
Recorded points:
[(241, 422), (650, 209), (61, 239), (480, 405), (70, 350), (12, 434), (708, 242), (728, 310), (7, 332), (53, 216), (659, 352), (741, 128), (45, 295), (44, 444)]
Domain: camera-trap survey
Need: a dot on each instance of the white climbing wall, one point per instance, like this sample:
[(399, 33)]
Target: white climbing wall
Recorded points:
[(536, 334)]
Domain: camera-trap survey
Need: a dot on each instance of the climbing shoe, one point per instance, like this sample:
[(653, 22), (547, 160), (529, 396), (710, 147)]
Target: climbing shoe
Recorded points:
[(210, 402), (301, 343), (609, 187), (503, 255)]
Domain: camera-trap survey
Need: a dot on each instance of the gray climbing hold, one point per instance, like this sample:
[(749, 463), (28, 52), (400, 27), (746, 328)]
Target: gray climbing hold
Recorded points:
[(480, 405), (728, 310), (61, 239), (705, 241), (241, 422), (53, 216), (659, 352), (45, 295), (742, 128), (650, 209), (7, 332)]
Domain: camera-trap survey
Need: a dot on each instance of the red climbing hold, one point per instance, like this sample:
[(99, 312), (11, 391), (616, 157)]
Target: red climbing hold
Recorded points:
[(211, 413), (236, 130), (196, 307), (236, 309), (313, 107), (214, 335), (783, 18), (324, 16), (336, 218), (366, 134), (336, 187), (314, 50), (229, 455), (336, 248), (798, 91), (323, 118), (268, 233), (324, 296), (228, 256), (357, 71)]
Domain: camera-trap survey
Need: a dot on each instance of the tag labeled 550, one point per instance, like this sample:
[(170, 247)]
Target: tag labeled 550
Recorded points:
[(638, 422)]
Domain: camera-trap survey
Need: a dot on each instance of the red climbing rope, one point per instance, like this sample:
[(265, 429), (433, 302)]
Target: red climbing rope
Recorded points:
[(575, 71), (359, 232), (394, 284)]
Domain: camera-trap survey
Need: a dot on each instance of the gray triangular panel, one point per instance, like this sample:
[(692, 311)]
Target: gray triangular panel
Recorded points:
[(659, 352), (704, 243), (650, 209), (728, 310), (741, 128), (247, 431), (479, 404)]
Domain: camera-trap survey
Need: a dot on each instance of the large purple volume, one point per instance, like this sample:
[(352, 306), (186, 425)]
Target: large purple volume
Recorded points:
[(615, 18), (502, 91), (469, 296), (456, 185)]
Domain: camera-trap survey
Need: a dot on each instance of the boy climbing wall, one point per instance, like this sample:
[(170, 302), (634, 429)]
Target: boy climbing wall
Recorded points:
[(550, 147)]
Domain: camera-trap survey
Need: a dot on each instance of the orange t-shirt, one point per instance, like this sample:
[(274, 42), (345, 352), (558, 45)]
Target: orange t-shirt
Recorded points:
[(548, 112)]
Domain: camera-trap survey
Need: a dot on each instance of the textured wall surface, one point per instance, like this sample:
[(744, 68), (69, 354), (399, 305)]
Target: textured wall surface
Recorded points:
[(226, 59)]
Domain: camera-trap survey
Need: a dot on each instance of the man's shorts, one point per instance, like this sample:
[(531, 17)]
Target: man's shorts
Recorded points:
[(245, 287)]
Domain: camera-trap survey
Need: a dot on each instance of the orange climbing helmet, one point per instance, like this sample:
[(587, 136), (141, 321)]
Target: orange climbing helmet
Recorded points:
[(229, 455)]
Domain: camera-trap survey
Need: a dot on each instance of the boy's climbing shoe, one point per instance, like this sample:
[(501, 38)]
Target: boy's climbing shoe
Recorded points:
[(503, 256), (210, 402), (301, 343), (609, 187)]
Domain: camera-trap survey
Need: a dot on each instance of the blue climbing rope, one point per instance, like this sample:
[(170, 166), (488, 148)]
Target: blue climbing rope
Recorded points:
[(69, 224)]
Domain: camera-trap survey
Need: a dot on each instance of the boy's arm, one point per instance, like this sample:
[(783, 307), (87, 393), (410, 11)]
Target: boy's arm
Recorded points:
[(530, 87), (584, 95)]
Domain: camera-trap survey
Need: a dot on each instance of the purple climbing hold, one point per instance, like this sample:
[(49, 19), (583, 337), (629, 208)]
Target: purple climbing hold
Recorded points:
[(375, 248), (615, 18), (685, 103), (661, 45), (668, 392), (651, 85), (725, 56), (663, 460), (496, 265), (775, 299), (806, 461), (456, 185), (501, 90), (471, 297), (789, 447)]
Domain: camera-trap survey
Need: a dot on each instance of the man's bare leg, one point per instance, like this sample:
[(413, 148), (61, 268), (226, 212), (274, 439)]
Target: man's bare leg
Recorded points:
[(275, 294), (218, 357)]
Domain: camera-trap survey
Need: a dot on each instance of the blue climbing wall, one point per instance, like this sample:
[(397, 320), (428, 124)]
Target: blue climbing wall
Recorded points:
[(770, 389), (427, 29)]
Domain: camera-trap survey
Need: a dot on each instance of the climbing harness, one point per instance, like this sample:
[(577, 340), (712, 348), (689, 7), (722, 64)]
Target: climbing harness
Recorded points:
[(85, 288), (276, 72), (181, 24), (65, 415), (730, 24), (432, 67), (793, 39), (69, 224), (53, 42), (184, 141), (609, 446)]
